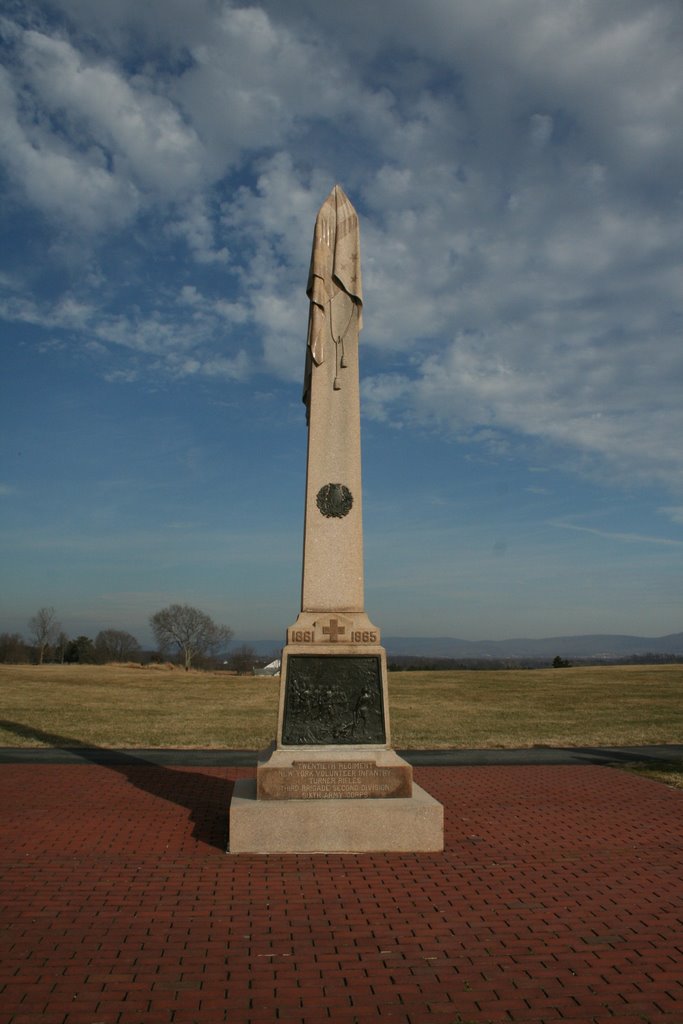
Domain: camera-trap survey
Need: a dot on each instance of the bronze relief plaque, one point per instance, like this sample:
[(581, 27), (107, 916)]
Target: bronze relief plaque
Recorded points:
[(334, 501), (332, 699)]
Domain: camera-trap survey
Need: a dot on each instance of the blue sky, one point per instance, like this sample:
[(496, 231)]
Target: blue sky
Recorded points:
[(517, 169)]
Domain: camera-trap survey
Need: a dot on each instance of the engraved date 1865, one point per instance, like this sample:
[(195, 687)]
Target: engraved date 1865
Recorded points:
[(363, 636)]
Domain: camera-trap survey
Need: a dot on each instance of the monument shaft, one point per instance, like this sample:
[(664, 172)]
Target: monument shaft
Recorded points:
[(332, 586), (332, 577)]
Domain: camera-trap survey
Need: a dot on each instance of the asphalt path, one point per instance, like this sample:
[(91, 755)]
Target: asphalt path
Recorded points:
[(432, 758)]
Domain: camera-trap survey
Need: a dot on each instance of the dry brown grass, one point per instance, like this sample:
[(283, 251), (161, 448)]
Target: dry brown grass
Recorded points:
[(163, 706), (583, 706), (130, 706)]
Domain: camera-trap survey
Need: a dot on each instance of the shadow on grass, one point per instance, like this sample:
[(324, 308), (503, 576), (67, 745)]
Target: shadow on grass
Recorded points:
[(205, 796)]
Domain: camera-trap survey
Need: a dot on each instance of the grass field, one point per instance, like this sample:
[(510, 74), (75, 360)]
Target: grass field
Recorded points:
[(162, 706), (583, 706)]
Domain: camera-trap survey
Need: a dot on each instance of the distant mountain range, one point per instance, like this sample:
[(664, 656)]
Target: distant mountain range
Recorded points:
[(592, 645), (597, 645)]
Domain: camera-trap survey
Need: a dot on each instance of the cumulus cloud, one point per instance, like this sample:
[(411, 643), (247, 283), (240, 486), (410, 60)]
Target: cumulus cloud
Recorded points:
[(136, 127), (87, 143), (191, 337), (516, 168), (196, 226), (64, 184)]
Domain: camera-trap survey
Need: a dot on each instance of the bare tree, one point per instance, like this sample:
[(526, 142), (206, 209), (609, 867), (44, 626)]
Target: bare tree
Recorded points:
[(61, 645), (44, 630), (13, 650), (191, 632), (116, 645)]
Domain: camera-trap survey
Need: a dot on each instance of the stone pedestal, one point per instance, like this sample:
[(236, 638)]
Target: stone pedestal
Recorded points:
[(403, 825)]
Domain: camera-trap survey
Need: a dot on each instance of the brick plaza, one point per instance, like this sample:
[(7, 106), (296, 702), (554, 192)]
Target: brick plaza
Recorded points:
[(559, 897)]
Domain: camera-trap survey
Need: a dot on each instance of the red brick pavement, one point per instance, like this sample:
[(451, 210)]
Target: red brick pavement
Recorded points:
[(558, 898)]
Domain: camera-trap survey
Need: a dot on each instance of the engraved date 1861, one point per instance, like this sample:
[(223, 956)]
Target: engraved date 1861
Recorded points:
[(302, 636)]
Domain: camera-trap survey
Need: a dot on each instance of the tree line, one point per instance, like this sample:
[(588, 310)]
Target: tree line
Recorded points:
[(181, 632), (108, 645), (422, 663)]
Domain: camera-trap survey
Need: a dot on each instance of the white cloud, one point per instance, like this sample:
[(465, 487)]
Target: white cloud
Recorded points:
[(86, 144), (197, 227), (612, 67), (517, 171), (68, 185), (626, 538), (674, 513), (138, 128), (540, 130), (237, 368), (165, 339), (383, 393), (205, 307)]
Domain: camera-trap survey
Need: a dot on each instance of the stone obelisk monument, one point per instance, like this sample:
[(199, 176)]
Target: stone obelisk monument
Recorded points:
[(332, 782)]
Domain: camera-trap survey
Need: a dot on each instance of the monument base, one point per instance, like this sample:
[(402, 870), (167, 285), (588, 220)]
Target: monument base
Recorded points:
[(397, 825), (331, 782)]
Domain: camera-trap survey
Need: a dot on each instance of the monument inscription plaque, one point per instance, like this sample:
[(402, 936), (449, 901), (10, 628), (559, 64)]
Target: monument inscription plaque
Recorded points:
[(340, 780)]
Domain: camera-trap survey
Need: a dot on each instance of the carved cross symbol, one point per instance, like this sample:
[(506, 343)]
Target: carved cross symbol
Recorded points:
[(334, 630)]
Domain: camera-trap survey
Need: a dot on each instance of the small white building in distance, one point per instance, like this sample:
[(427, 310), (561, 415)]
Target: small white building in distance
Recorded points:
[(273, 669)]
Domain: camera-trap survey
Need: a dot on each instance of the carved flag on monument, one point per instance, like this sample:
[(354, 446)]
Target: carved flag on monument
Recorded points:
[(332, 781), (334, 287)]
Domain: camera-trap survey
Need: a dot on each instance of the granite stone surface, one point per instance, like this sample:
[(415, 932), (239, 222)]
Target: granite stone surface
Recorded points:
[(412, 824), (331, 782)]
